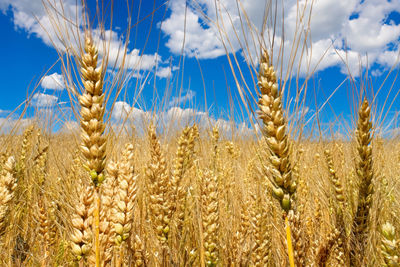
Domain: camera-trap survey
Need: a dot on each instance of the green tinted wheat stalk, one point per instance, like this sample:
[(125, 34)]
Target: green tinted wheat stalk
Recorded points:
[(92, 127), (365, 175), (389, 246)]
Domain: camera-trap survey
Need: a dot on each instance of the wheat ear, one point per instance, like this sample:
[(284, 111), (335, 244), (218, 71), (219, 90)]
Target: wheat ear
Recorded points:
[(7, 187), (108, 195), (159, 187), (92, 134), (272, 114), (365, 174), (182, 163), (210, 216), (24, 151), (81, 237), (389, 246), (261, 250), (340, 204), (124, 201)]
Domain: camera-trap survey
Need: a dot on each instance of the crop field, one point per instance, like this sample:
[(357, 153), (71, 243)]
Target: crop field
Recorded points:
[(189, 193)]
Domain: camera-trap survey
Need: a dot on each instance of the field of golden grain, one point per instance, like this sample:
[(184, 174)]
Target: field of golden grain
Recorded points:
[(197, 197)]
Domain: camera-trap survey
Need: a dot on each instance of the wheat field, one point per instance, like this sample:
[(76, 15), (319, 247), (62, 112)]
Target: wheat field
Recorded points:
[(197, 196)]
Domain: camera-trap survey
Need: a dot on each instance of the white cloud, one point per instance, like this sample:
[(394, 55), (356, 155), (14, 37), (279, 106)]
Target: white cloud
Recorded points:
[(4, 112), (42, 100), (123, 110), (389, 58), (185, 98), (32, 17), (164, 72), (115, 51), (354, 27), (54, 81), (13, 124), (200, 39), (183, 117), (369, 32), (173, 120)]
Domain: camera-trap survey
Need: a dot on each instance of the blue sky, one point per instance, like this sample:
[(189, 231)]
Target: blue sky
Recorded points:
[(358, 32)]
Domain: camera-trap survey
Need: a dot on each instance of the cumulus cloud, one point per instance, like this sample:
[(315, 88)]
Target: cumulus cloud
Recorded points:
[(32, 17), (342, 32), (42, 100), (117, 56), (54, 81), (164, 72), (4, 112), (200, 39), (185, 98), (174, 119), (122, 110), (13, 124)]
